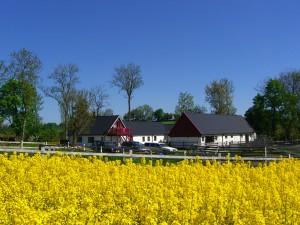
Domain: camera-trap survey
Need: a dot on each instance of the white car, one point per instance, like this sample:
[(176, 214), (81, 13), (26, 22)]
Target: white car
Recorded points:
[(161, 148)]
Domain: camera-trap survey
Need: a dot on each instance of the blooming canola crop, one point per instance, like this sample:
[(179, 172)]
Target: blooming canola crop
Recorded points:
[(61, 189)]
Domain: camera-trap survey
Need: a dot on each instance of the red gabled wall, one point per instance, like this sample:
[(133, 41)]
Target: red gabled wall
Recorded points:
[(118, 124), (184, 128), (117, 128)]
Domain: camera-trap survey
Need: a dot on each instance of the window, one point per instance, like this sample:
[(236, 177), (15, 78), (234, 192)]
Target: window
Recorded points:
[(148, 138), (231, 136), (203, 138), (90, 139), (143, 139), (79, 139), (225, 137), (154, 138)]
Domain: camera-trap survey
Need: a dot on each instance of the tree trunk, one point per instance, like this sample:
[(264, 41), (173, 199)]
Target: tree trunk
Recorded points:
[(23, 134), (66, 127), (75, 137), (129, 110)]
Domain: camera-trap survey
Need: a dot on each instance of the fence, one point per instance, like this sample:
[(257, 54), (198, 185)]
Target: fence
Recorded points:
[(193, 145), (217, 157), (16, 144)]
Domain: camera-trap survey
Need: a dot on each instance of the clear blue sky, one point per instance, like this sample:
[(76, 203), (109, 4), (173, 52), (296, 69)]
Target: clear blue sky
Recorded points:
[(180, 45)]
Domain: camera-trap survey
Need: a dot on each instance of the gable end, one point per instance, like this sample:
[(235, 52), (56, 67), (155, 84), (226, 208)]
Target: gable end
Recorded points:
[(184, 127)]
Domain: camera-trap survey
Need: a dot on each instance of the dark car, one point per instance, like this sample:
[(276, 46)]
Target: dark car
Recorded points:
[(106, 146), (134, 146)]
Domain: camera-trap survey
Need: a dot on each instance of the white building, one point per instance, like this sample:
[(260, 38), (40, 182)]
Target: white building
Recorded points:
[(147, 131), (205, 129)]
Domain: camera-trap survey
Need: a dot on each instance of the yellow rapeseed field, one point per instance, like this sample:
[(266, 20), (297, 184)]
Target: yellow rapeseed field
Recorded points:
[(65, 189)]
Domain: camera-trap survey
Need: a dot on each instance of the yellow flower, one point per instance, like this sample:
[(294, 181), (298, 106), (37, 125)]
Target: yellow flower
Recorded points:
[(63, 189)]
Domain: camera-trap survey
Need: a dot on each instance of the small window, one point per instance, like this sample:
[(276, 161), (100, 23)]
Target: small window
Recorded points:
[(225, 137), (154, 138), (203, 138), (148, 138), (90, 139), (79, 139), (143, 139), (231, 136)]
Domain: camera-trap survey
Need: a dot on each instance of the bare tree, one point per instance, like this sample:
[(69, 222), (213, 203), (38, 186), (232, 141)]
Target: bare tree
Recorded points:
[(291, 81), (128, 78), (64, 90), (99, 99), (291, 113), (3, 71)]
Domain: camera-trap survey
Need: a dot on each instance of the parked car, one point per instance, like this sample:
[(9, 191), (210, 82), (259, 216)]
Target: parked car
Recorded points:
[(106, 146), (135, 146), (161, 148)]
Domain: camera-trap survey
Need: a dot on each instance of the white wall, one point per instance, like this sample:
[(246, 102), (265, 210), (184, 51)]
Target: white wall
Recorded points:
[(149, 138), (175, 141), (227, 139), (186, 142)]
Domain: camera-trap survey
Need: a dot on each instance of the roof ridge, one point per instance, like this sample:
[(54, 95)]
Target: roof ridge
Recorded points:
[(211, 114)]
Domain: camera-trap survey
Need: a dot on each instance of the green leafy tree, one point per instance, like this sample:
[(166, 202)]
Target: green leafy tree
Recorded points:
[(274, 100), (168, 116), (34, 127), (6, 132), (264, 115), (128, 78), (80, 117), (107, 112), (17, 105), (158, 114), (186, 104), (200, 109), (50, 132), (288, 115), (141, 113), (220, 97), (19, 90), (275, 110), (258, 117)]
